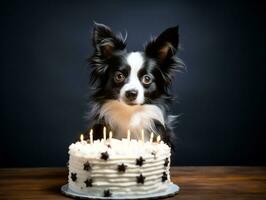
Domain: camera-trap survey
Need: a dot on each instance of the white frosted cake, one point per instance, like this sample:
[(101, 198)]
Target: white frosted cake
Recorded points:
[(117, 168)]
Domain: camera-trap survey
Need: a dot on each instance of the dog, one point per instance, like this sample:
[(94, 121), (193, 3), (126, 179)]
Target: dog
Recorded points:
[(131, 89)]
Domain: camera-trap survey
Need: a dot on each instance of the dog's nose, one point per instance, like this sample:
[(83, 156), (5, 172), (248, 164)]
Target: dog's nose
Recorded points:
[(131, 95)]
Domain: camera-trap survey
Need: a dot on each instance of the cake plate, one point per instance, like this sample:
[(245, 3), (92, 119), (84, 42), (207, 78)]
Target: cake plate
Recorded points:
[(172, 190)]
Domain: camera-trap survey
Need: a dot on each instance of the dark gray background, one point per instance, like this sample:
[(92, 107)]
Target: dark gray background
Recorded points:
[(44, 76)]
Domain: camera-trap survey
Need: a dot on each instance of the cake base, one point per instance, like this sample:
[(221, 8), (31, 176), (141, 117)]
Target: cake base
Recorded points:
[(172, 190)]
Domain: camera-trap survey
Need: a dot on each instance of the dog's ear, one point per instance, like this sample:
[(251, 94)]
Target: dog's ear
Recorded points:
[(164, 46), (163, 50), (105, 41)]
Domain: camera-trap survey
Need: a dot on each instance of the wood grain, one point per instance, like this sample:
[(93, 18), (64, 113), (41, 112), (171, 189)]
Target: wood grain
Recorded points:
[(197, 183)]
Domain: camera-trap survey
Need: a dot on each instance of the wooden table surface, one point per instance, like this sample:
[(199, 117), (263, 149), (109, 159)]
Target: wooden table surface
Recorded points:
[(196, 183)]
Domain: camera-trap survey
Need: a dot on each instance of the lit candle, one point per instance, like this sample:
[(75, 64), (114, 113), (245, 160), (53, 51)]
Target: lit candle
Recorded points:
[(104, 133), (128, 134), (81, 137), (151, 139), (142, 135), (110, 135), (158, 138), (91, 136)]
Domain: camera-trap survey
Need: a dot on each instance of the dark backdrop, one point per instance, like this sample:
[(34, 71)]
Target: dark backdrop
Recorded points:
[(44, 76)]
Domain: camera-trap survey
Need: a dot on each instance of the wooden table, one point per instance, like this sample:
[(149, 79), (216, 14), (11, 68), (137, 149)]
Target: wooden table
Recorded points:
[(196, 183)]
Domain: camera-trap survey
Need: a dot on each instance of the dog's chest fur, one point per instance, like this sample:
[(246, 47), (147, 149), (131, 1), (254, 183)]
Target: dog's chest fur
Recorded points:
[(121, 117)]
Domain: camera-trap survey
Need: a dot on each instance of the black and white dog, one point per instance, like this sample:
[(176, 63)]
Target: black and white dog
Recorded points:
[(131, 89)]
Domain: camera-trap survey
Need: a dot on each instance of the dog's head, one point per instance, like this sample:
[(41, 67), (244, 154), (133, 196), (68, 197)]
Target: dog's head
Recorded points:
[(134, 78)]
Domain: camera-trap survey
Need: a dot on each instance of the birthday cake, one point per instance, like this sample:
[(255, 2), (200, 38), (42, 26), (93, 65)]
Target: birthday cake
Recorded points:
[(119, 168)]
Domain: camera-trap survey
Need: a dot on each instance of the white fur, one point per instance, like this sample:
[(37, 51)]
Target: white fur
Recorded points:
[(135, 61), (122, 117)]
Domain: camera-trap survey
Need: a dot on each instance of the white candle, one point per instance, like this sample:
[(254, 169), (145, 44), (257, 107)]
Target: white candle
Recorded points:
[(128, 134), (151, 139), (81, 137), (142, 135), (110, 135), (158, 138), (104, 134), (91, 136)]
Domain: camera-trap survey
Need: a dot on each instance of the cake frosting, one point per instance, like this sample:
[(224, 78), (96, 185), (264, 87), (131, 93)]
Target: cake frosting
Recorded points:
[(117, 168)]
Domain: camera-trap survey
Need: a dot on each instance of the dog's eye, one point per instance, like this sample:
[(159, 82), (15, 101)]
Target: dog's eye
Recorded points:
[(146, 79), (119, 77)]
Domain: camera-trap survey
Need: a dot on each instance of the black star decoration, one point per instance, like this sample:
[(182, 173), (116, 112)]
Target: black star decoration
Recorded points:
[(164, 177), (140, 179), (140, 161), (88, 182), (73, 176), (104, 155), (121, 168), (154, 154), (107, 193), (166, 162), (87, 166)]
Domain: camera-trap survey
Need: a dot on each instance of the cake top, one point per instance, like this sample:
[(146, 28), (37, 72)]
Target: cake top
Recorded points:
[(119, 149)]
